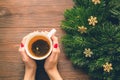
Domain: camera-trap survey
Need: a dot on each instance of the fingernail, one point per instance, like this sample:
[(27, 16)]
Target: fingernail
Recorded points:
[(21, 45), (55, 45)]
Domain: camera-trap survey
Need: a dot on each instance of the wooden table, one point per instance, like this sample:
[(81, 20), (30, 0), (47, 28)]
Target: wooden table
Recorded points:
[(20, 17)]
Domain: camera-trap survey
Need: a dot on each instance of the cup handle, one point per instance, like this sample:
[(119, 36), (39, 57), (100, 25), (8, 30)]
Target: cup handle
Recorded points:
[(51, 33)]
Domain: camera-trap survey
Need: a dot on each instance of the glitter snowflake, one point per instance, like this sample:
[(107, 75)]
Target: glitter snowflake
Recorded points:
[(92, 20), (88, 52), (107, 67), (96, 1), (82, 29)]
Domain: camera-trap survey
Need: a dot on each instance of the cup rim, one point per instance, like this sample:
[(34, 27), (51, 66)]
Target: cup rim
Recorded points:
[(27, 42)]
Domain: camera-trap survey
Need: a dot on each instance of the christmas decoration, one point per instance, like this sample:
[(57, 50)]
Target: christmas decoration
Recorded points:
[(92, 20), (82, 29), (88, 52), (107, 67), (96, 1), (92, 40)]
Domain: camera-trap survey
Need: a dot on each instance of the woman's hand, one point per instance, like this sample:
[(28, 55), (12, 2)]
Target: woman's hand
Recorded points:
[(30, 64), (51, 62)]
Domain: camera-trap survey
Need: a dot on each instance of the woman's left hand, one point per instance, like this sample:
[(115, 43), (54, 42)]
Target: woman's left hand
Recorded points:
[(30, 64)]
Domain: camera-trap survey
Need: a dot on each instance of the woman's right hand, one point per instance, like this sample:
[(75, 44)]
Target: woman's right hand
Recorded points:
[(52, 61)]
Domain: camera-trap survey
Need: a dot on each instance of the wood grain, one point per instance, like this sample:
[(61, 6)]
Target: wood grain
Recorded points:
[(20, 17)]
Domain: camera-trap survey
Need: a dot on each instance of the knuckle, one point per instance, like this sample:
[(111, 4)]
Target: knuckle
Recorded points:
[(26, 60), (55, 51)]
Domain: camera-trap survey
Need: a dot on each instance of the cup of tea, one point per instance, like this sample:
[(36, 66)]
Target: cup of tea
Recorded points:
[(38, 45)]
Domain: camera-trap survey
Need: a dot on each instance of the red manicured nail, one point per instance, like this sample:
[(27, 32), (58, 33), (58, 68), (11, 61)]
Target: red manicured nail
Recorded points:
[(55, 45), (21, 45)]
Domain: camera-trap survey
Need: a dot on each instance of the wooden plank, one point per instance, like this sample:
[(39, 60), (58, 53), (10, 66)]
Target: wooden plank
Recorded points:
[(32, 13)]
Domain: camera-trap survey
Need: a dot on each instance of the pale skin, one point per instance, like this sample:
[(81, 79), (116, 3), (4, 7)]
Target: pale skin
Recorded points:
[(50, 63)]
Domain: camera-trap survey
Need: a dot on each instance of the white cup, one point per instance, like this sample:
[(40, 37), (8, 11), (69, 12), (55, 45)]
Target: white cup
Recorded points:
[(35, 51)]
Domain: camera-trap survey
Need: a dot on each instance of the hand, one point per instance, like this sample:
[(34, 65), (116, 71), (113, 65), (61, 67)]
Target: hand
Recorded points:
[(30, 64), (51, 62)]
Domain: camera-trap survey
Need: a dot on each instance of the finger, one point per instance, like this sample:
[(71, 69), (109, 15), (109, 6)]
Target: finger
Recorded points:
[(23, 53), (22, 49), (55, 39), (55, 42), (56, 51)]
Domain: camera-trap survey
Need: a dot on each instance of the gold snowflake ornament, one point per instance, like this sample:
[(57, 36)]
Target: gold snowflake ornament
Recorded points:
[(107, 67), (82, 29), (92, 20), (96, 1), (88, 52)]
